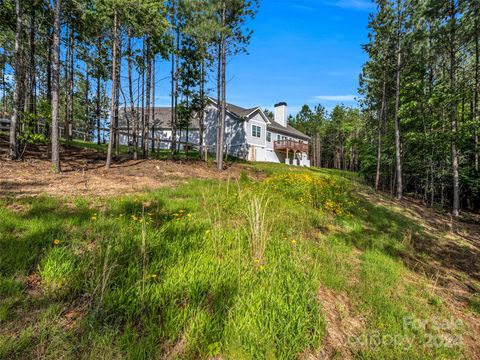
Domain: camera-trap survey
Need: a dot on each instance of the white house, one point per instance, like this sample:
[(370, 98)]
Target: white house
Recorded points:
[(249, 133)]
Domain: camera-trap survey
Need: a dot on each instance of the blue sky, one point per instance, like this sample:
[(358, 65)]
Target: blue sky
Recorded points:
[(301, 52)]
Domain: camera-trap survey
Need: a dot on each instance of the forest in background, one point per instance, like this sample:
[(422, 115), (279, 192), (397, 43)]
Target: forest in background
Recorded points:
[(416, 130), (418, 127), (73, 63), (421, 101)]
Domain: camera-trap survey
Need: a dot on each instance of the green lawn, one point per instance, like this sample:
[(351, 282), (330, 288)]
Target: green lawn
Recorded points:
[(210, 268)]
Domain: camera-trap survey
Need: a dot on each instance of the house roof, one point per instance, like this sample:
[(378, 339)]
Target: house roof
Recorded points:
[(239, 111), (287, 130), (272, 126), (162, 118)]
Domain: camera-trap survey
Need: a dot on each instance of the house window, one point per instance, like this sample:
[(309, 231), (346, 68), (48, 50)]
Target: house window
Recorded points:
[(269, 136), (256, 131), (278, 137)]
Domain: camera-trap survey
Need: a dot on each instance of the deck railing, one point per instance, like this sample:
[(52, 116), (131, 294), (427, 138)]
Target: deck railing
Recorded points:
[(291, 145)]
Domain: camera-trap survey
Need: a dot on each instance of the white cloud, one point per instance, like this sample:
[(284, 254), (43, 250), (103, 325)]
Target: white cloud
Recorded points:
[(335, 97), (304, 7), (351, 4)]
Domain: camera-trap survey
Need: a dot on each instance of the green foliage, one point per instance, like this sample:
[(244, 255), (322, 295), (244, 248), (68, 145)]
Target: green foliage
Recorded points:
[(336, 137), (172, 270), (439, 83), (29, 135)]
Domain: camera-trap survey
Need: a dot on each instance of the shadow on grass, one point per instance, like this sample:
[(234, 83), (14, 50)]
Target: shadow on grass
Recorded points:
[(373, 227), (168, 288), (376, 227), (349, 175)]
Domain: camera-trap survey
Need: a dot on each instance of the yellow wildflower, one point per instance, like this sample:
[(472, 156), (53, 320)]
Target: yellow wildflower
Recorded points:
[(94, 218), (133, 217), (294, 241), (189, 215), (56, 242)]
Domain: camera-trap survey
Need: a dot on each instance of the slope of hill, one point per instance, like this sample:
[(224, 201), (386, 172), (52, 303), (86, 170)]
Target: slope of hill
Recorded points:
[(268, 261)]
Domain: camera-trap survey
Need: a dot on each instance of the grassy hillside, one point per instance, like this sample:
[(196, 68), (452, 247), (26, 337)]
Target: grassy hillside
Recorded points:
[(299, 264)]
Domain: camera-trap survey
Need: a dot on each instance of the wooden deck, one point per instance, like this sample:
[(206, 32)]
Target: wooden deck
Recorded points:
[(290, 145)]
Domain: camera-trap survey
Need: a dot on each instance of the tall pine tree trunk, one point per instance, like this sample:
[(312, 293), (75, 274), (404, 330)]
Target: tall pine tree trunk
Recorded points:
[(223, 95), (70, 65), (476, 105), (152, 107), (453, 110), (130, 92), (55, 87), (320, 152), (142, 96), (147, 100), (98, 109), (380, 124), (14, 125), (114, 90), (138, 113), (175, 109), (173, 143), (117, 98), (4, 87), (87, 100), (398, 156), (32, 80), (201, 115), (49, 79), (219, 98)]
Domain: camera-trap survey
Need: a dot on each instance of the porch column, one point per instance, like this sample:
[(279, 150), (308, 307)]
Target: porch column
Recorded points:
[(287, 160)]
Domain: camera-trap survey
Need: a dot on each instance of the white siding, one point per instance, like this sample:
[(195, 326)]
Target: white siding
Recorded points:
[(272, 139), (258, 121), (235, 135)]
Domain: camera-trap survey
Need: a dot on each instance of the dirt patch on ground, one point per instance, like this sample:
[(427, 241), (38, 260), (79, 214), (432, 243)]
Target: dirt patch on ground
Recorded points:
[(343, 323), (175, 350), (75, 313), (34, 285), (83, 173)]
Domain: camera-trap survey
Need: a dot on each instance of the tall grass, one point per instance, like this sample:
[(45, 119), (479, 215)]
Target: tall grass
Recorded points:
[(259, 224), (173, 271)]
